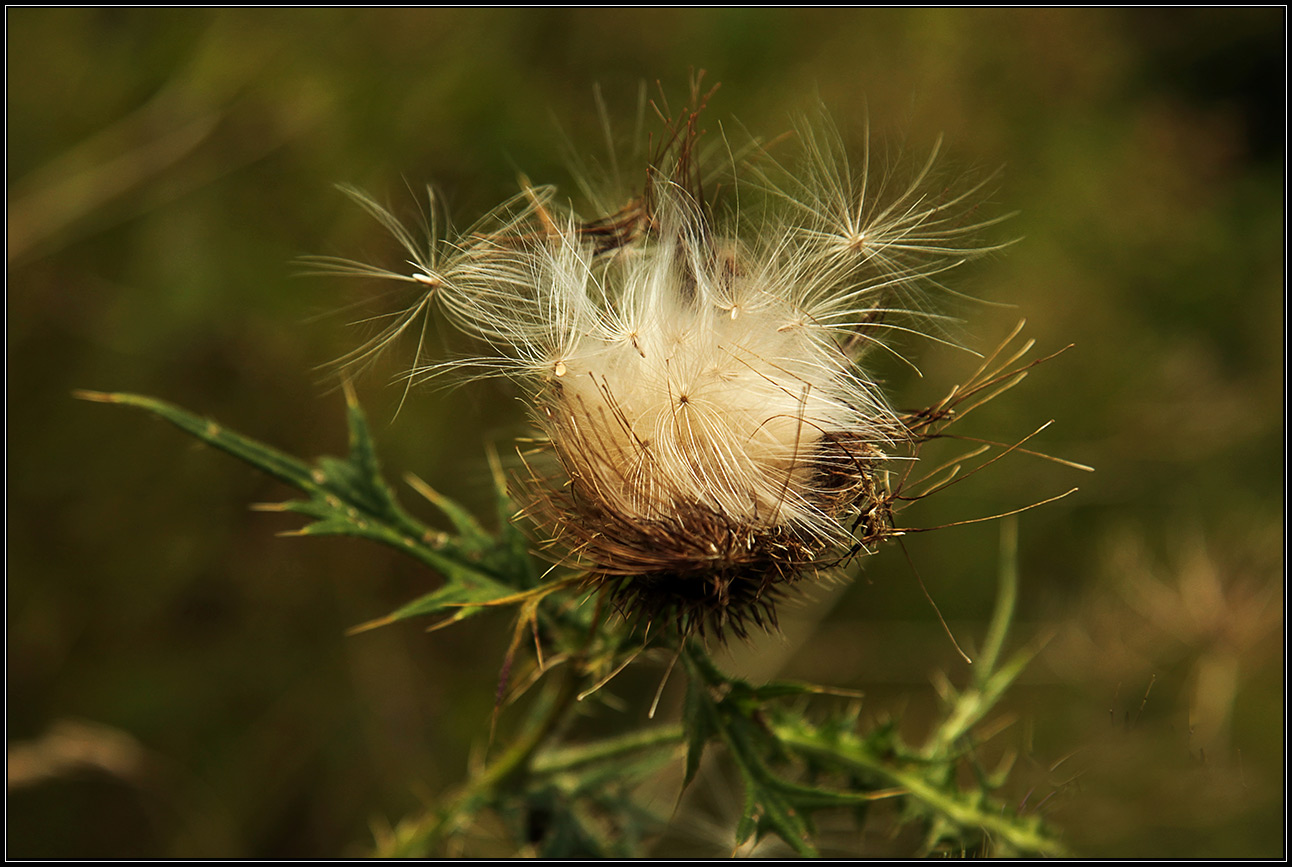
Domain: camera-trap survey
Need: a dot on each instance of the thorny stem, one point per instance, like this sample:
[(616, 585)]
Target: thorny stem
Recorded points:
[(1006, 597), (419, 836), (571, 758), (694, 652), (1021, 835), (988, 682), (919, 780), (963, 812)]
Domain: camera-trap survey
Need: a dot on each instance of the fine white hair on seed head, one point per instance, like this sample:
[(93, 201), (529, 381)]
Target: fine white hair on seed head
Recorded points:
[(696, 369)]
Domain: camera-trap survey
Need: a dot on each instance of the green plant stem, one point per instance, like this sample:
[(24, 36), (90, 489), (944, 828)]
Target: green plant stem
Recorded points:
[(694, 652), (572, 758), (926, 780), (966, 811), (1006, 598), (419, 836), (988, 681)]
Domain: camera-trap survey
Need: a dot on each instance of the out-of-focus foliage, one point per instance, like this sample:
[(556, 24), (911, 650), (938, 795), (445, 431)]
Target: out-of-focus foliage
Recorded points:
[(179, 683)]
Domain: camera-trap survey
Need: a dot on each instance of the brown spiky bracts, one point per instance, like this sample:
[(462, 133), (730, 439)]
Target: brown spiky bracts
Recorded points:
[(667, 557), (710, 435)]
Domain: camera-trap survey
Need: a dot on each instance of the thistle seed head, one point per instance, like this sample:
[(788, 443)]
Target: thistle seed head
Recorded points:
[(695, 367)]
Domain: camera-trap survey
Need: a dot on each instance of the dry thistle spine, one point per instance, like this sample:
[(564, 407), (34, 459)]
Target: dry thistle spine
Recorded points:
[(695, 367)]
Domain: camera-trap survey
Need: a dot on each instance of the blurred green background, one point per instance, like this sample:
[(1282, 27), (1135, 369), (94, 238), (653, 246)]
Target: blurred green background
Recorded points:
[(178, 679)]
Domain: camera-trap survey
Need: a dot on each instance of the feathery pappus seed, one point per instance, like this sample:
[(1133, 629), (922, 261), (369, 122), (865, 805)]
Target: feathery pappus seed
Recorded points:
[(693, 359)]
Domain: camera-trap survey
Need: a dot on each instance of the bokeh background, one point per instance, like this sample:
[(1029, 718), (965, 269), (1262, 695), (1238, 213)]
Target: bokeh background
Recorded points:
[(178, 679)]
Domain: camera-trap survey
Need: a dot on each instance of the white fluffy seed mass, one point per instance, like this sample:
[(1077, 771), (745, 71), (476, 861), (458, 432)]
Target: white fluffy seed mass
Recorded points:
[(690, 382), (696, 367)]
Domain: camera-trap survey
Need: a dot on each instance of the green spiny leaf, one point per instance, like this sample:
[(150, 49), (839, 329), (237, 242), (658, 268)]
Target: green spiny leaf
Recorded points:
[(349, 497), (466, 596), (471, 536), (264, 458), (698, 724)]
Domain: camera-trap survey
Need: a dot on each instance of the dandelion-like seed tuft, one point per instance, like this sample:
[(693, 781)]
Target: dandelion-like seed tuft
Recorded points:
[(695, 362)]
